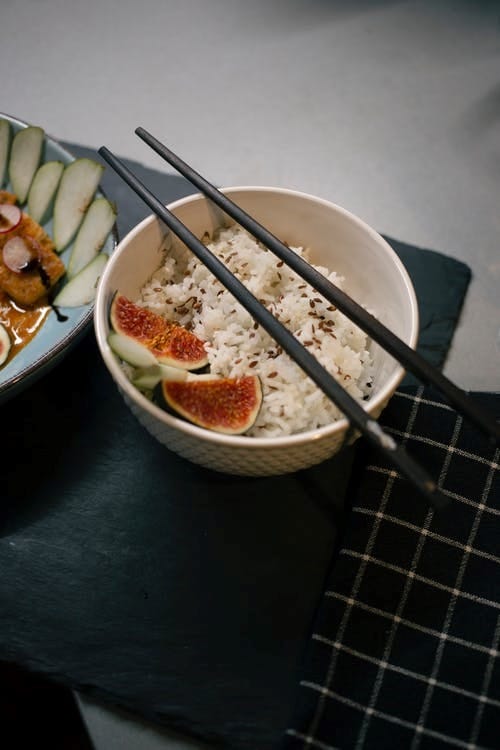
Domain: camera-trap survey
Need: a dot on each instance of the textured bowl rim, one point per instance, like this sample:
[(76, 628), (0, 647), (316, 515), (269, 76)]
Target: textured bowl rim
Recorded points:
[(244, 441)]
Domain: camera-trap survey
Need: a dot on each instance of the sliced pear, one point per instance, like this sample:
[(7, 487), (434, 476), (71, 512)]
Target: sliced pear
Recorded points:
[(93, 232), (43, 190), (81, 289), (5, 134), (78, 184), (25, 156), (131, 351), (147, 378), (5, 344)]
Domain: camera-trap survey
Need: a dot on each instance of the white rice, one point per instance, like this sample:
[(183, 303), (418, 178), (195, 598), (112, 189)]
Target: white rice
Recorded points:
[(184, 290)]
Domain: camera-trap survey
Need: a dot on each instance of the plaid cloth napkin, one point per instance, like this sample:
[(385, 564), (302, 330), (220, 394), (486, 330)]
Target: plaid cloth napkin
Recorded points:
[(405, 648)]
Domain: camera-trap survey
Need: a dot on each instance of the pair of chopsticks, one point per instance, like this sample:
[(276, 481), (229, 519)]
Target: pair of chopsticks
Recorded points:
[(352, 409)]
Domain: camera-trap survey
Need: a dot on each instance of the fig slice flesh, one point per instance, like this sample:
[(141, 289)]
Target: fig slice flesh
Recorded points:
[(227, 405), (171, 343)]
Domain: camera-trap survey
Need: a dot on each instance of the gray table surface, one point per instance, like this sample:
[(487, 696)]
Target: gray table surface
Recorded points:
[(391, 109)]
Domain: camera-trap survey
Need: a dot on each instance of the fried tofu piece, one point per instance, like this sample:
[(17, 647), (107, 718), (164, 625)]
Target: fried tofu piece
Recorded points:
[(6, 197), (31, 285)]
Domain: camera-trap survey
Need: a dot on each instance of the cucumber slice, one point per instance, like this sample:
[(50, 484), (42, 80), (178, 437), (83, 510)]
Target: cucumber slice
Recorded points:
[(91, 236), (5, 132), (131, 351), (5, 344), (43, 190), (147, 378), (76, 191), (81, 289), (25, 156)]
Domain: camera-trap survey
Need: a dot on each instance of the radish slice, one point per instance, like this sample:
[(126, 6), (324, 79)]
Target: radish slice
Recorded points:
[(92, 234), (43, 190), (17, 255), (25, 155), (4, 149), (5, 344), (81, 289), (10, 217), (76, 191)]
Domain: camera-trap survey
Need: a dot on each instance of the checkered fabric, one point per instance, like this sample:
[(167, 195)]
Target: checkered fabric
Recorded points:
[(405, 647)]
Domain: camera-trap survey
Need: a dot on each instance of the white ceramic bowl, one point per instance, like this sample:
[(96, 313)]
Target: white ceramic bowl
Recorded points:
[(339, 241)]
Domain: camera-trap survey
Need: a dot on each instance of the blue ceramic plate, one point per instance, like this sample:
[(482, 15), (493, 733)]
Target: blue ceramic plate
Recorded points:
[(55, 337)]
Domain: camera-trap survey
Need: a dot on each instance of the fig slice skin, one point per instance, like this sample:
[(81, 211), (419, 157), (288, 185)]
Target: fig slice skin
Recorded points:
[(227, 405), (171, 343)]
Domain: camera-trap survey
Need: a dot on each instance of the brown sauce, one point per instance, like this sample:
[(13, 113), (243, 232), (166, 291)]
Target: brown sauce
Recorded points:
[(21, 323), (25, 292)]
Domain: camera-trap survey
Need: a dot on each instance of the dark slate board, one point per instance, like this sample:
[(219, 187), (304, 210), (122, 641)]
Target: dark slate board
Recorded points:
[(133, 576), (440, 285)]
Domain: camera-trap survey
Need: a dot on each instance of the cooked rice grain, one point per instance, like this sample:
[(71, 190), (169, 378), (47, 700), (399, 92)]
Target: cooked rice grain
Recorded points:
[(184, 290)]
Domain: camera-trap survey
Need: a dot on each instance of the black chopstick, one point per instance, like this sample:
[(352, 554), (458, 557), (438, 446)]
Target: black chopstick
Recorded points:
[(388, 340), (353, 410)]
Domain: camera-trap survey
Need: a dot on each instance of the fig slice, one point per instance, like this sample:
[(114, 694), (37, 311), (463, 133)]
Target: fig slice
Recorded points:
[(10, 217), (171, 343), (227, 405)]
